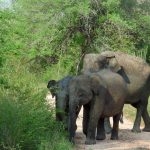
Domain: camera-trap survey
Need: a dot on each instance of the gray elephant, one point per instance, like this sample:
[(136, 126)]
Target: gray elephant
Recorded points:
[(59, 90), (104, 92), (136, 73)]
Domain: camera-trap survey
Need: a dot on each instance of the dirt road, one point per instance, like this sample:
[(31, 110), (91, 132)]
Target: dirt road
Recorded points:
[(127, 139)]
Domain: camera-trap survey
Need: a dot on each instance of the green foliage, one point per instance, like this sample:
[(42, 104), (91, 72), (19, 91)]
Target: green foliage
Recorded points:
[(26, 122), (47, 39), (53, 33)]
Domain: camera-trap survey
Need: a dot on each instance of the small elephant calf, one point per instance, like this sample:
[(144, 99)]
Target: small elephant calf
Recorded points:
[(105, 93), (59, 90)]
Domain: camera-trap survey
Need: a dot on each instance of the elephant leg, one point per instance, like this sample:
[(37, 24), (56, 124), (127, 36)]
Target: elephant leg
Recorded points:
[(146, 119), (90, 139), (86, 110), (137, 122), (107, 125), (95, 113), (100, 130), (114, 132)]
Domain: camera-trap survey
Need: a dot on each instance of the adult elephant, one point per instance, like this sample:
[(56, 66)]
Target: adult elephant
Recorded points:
[(104, 93), (59, 90), (136, 73)]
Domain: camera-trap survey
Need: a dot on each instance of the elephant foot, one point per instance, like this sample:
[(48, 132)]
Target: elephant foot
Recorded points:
[(114, 135), (146, 129), (101, 137), (90, 141), (114, 138), (136, 130)]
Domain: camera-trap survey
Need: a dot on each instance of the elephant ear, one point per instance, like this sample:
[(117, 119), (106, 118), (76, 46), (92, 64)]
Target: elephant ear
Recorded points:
[(113, 64), (52, 86), (97, 84)]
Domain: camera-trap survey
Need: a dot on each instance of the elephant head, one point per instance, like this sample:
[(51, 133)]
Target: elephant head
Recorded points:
[(59, 90), (108, 60), (82, 90)]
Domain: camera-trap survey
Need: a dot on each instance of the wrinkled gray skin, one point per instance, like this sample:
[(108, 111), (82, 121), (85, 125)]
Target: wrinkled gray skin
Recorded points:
[(136, 73), (104, 92), (59, 90)]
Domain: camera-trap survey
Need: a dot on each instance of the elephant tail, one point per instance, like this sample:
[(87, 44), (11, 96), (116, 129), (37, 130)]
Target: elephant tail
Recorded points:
[(121, 118)]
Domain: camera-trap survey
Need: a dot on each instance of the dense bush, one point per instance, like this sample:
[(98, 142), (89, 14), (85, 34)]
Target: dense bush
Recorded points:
[(26, 122), (67, 30), (56, 35)]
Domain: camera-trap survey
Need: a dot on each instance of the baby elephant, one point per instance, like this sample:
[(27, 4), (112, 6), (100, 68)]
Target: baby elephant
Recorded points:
[(105, 93), (59, 90)]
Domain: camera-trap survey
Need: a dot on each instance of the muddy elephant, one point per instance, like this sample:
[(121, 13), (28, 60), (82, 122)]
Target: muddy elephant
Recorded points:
[(104, 92), (59, 90), (136, 73)]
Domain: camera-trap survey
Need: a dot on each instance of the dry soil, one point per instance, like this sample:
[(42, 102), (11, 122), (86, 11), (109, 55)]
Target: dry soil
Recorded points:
[(127, 139)]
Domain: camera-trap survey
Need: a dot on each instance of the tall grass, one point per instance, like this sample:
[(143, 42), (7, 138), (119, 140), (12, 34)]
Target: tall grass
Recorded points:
[(26, 122)]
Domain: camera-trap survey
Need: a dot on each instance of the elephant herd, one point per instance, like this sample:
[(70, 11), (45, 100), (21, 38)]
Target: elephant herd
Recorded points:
[(107, 81)]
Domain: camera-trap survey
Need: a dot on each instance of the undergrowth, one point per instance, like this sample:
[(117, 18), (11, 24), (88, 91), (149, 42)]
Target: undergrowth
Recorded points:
[(26, 122)]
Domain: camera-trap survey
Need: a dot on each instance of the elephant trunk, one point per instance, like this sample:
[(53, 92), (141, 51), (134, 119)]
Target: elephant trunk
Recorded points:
[(60, 116), (72, 121), (61, 101)]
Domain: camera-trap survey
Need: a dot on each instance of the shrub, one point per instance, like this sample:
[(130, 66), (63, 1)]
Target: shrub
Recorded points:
[(26, 122)]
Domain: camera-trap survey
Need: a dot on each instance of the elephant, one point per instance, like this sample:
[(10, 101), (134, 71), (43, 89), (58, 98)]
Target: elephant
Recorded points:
[(104, 92), (59, 90), (136, 73)]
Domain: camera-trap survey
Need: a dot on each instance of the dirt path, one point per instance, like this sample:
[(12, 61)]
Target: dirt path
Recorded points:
[(127, 139)]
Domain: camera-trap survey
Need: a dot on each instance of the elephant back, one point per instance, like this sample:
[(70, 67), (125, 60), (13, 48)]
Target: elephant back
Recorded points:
[(115, 83), (131, 64)]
